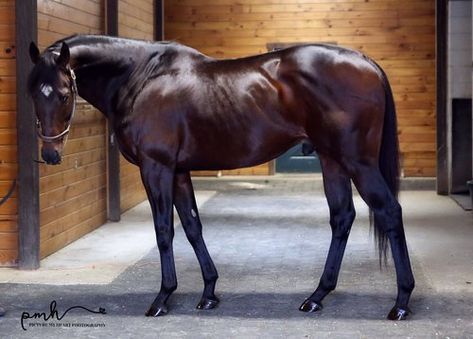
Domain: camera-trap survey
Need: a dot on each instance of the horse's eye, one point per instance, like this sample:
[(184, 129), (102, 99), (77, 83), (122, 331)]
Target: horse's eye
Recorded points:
[(64, 98)]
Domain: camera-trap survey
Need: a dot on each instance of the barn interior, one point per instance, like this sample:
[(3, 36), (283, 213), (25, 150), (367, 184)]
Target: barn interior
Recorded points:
[(86, 223)]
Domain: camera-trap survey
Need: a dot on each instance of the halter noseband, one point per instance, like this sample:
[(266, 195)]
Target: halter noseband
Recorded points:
[(46, 138)]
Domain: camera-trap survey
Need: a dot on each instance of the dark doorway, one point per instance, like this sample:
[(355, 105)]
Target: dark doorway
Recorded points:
[(461, 145)]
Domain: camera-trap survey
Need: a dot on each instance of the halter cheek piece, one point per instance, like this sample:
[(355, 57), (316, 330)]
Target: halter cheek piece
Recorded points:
[(64, 133)]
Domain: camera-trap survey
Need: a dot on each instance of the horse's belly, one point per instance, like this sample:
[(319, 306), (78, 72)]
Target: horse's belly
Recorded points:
[(237, 150)]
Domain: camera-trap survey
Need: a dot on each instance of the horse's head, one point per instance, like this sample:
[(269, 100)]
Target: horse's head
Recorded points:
[(53, 89)]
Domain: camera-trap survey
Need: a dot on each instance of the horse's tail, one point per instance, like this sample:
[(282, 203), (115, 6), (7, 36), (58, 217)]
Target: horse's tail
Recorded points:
[(388, 160)]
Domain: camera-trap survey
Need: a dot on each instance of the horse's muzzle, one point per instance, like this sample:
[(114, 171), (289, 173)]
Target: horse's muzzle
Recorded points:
[(51, 156)]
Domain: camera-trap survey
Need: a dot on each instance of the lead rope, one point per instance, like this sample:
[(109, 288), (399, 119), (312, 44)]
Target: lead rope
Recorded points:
[(9, 194)]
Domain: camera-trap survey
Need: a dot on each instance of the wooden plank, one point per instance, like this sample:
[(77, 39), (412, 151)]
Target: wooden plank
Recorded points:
[(7, 85), (8, 153), (69, 206), (58, 10), (9, 207), (61, 25), (63, 178), (65, 238), (28, 175), (8, 225), (8, 241), (68, 221), (57, 196), (7, 119), (272, 2), (172, 14), (8, 171), (8, 258), (7, 101), (7, 49)]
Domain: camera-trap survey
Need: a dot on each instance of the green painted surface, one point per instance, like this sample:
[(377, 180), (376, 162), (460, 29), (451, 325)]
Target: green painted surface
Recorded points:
[(294, 161)]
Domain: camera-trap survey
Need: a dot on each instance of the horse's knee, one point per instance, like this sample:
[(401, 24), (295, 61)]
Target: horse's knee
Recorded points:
[(165, 236), (341, 223)]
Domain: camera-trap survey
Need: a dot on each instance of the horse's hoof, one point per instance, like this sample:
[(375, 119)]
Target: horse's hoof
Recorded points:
[(207, 303), (399, 313), (156, 311), (310, 306)]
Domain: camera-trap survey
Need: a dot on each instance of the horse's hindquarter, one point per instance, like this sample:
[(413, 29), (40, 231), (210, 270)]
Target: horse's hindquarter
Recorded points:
[(342, 95)]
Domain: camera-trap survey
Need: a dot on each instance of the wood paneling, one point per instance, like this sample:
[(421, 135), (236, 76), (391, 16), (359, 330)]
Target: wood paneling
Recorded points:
[(73, 194), (8, 159), (399, 34), (135, 20)]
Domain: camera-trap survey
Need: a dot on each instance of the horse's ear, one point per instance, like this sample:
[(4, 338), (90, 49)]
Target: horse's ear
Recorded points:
[(63, 58), (34, 52)]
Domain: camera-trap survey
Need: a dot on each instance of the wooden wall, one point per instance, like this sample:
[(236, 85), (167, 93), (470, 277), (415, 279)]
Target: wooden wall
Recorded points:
[(8, 168), (399, 34), (135, 20), (73, 194)]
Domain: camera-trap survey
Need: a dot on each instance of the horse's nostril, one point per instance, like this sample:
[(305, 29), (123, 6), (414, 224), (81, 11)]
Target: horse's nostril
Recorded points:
[(51, 157)]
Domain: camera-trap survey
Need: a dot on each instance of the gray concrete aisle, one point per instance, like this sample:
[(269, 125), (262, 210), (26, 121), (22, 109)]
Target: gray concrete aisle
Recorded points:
[(269, 243)]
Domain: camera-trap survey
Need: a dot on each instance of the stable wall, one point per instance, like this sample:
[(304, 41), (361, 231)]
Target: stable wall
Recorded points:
[(135, 20), (398, 34), (73, 194), (8, 160)]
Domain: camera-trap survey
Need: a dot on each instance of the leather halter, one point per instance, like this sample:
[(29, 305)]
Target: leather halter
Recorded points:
[(53, 138)]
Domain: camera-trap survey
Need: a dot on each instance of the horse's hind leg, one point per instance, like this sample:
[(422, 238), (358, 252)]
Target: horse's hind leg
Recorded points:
[(338, 191), (388, 215), (184, 200)]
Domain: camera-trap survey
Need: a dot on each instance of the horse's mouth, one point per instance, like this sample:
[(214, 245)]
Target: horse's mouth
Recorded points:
[(51, 157)]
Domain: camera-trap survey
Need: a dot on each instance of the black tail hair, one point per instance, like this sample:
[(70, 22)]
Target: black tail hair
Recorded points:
[(388, 161)]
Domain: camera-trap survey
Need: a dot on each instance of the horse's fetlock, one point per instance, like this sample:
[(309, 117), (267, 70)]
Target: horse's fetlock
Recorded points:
[(169, 288)]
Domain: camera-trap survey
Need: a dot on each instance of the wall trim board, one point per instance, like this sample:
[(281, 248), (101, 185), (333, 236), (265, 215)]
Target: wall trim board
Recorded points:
[(113, 153), (441, 18), (28, 172)]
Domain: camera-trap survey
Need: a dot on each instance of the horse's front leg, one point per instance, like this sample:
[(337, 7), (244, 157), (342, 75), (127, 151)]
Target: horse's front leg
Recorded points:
[(186, 207), (158, 181)]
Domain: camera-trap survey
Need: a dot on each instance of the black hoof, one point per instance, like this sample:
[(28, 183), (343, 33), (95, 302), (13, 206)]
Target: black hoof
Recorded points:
[(310, 306), (207, 303), (156, 311), (398, 313)]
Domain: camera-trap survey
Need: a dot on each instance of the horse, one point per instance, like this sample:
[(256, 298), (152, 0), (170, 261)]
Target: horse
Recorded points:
[(173, 109)]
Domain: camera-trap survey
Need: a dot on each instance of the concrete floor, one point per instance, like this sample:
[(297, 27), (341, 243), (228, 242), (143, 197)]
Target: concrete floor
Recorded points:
[(269, 242)]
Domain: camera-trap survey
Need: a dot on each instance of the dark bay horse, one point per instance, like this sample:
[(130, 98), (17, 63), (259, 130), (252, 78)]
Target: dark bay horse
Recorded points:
[(174, 110)]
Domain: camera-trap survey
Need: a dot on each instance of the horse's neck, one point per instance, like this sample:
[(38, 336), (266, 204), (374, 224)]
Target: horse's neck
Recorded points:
[(101, 70)]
